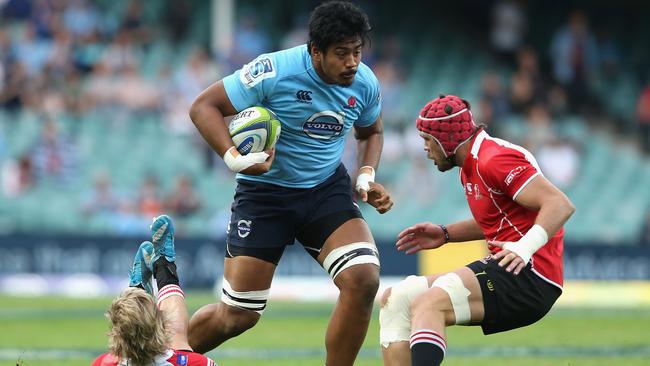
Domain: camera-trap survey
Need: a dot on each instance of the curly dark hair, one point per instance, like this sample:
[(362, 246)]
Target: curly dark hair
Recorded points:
[(336, 21)]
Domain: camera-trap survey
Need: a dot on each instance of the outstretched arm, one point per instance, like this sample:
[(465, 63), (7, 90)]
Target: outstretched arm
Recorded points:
[(426, 235), (465, 230)]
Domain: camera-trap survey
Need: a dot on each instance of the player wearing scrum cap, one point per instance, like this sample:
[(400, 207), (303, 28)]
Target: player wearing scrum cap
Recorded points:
[(515, 209)]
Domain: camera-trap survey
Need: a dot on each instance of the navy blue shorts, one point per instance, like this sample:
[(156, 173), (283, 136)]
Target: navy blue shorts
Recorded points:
[(265, 217)]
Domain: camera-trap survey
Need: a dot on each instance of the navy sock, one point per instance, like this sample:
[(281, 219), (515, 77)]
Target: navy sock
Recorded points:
[(428, 348), (165, 273)]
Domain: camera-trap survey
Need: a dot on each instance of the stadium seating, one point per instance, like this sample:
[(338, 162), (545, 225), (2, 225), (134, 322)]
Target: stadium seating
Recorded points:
[(134, 146)]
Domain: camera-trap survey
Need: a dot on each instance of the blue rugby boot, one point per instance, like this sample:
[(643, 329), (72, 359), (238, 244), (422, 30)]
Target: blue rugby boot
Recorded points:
[(140, 274), (162, 236)]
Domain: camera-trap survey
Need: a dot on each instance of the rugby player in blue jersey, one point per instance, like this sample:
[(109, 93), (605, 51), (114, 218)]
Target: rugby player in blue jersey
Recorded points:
[(300, 190)]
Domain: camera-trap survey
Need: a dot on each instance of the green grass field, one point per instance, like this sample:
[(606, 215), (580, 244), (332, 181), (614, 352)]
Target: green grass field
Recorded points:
[(71, 332)]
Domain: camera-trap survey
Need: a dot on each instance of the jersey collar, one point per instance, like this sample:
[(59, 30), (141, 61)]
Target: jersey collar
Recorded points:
[(476, 142)]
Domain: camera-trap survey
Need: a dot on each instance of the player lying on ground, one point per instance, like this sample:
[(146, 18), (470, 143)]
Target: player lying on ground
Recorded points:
[(514, 208), (146, 330)]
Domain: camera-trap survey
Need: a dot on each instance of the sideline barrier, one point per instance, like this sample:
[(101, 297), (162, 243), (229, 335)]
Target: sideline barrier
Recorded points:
[(605, 294), (577, 294), (45, 264)]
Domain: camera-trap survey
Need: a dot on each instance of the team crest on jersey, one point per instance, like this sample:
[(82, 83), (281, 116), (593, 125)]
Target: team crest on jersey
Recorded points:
[(352, 103), (324, 125), (257, 70), (473, 190), (477, 192)]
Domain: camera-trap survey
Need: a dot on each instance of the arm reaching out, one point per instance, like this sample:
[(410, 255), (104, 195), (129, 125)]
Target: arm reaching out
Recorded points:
[(431, 236)]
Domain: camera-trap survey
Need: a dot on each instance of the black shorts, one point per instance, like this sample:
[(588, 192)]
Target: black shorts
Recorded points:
[(512, 301), (265, 217)]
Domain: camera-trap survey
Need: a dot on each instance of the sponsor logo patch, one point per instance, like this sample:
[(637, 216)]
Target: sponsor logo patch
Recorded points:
[(257, 70), (490, 286), (486, 259), (513, 173), (244, 228), (303, 96), (181, 360), (324, 125)]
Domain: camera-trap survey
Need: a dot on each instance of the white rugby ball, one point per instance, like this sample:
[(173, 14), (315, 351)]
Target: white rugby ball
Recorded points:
[(254, 129)]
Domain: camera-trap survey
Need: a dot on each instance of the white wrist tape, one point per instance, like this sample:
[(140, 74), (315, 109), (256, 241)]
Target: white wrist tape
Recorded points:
[(534, 239), (364, 179), (238, 162)]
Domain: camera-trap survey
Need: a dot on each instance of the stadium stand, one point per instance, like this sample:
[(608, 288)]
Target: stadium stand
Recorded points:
[(118, 91)]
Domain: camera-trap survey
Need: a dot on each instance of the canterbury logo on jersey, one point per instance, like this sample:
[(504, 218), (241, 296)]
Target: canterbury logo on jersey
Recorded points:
[(303, 96)]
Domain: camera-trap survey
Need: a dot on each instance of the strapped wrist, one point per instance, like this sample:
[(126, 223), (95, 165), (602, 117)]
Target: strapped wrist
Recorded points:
[(367, 169), (534, 239), (237, 162), (364, 178)]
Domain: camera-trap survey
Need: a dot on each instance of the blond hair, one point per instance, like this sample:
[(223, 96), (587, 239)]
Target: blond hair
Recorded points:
[(137, 327)]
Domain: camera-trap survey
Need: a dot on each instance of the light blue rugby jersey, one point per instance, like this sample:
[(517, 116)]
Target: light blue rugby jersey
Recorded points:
[(315, 116)]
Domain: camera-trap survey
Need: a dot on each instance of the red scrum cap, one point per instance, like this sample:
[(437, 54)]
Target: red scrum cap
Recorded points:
[(449, 120)]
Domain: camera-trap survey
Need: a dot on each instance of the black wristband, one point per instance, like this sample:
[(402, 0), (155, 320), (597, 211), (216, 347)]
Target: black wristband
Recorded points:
[(445, 231)]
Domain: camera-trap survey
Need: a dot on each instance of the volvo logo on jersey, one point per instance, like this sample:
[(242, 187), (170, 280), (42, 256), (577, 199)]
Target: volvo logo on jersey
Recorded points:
[(324, 125)]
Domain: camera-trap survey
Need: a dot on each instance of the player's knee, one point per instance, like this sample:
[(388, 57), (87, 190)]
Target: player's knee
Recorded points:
[(395, 313), (237, 321), (433, 303), (405, 291), (434, 300), (360, 281), (447, 298), (384, 296)]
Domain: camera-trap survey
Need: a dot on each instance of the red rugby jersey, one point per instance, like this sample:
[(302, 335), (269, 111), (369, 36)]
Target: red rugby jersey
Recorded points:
[(493, 174), (170, 358)]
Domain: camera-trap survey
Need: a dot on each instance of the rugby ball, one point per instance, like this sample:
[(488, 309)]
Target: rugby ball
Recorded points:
[(254, 129)]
